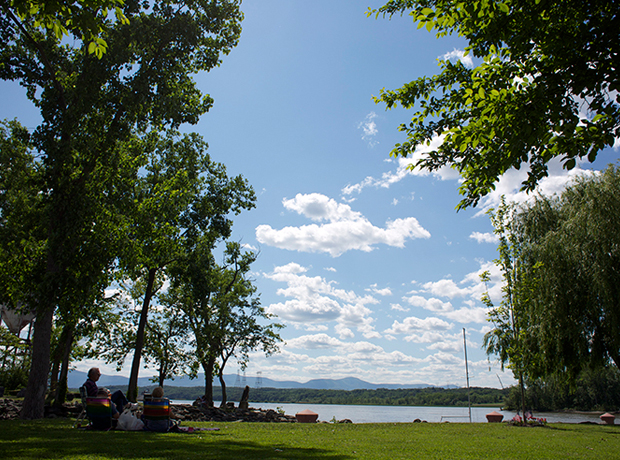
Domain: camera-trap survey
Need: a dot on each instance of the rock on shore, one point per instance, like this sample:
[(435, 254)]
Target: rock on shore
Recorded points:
[(9, 409)]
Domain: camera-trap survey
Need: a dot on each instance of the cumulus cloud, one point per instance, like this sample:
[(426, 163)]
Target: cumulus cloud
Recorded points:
[(398, 307), (344, 332), (341, 228), (369, 129), (509, 184), (413, 324), (404, 170), (484, 237), (446, 288), (382, 292), (460, 56), (335, 356), (320, 208), (309, 342), (468, 315), (447, 345), (431, 304), (470, 289), (314, 300)]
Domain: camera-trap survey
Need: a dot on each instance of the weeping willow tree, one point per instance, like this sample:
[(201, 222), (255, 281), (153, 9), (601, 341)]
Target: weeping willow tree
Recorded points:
[(560, 259)]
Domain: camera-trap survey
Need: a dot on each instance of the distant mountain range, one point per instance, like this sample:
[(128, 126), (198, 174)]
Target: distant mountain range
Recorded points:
[(76, 379)]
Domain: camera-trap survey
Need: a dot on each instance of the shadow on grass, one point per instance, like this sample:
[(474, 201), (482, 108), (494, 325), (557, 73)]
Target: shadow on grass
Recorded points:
[(38, 440)]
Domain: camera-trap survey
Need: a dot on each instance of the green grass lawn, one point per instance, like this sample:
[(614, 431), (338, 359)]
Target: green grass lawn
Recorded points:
[(58, 439)]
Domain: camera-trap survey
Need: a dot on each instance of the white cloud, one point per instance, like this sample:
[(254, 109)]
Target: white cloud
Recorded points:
[(509, 184), (344, 332), (459, 55), (369, 128), (446, 288), (431, 304), (314, 300), (309, 310), (425, 336), (398, 307), (381, 292), (345, 229), (473, 311), (468, 315), (311, 342), (316, 327), (319, 208), (414, 324), (446, 345), (403, 170), (484, 237)]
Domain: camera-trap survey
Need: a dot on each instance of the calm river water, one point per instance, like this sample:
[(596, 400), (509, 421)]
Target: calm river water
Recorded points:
[(407, 414)]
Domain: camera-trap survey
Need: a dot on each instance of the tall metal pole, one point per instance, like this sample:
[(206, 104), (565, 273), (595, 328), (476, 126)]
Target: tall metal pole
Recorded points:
[(467, 374)]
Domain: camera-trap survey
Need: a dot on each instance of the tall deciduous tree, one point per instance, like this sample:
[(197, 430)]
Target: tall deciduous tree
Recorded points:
[(246, 333), (165, 347), (90, 108), (220, 307), (181, 194), (546, 85), (511, 319)]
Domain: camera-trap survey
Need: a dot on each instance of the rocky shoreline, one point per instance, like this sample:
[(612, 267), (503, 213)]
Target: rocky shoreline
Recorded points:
[(9, 410)]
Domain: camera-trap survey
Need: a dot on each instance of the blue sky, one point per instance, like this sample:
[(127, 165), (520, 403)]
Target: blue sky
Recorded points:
[(368, 264)]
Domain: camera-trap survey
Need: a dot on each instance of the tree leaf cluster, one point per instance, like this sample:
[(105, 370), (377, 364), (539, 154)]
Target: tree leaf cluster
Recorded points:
[(544, 85)]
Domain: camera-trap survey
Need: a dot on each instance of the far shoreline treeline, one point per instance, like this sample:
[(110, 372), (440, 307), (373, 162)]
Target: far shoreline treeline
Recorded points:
[(431, 396)]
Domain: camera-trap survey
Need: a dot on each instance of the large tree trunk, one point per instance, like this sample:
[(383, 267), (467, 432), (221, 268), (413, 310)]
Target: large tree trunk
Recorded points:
[(208, 368), (55, 366), (61, 391), (34, 399), (223, 385), (132, 390), (56, 363)]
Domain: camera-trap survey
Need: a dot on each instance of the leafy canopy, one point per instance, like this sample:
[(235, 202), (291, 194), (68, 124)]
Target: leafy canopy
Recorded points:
[(545, 86), (85, 20)]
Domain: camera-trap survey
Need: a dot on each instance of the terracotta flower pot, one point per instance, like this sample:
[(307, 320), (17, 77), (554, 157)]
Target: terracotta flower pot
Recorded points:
[(306, 416), (608, 418), (494, 417)]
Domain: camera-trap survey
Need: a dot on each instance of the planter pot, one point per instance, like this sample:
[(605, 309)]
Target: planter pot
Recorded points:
[(306, 416), (494, 417), (608, 419)]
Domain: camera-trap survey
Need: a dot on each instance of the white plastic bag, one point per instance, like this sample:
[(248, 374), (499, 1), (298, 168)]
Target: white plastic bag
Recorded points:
[(128, 422)]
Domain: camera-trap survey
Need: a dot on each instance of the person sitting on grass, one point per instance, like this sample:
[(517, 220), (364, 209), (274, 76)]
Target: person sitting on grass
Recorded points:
[(105, 393), (118, 398), (158, 425)]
